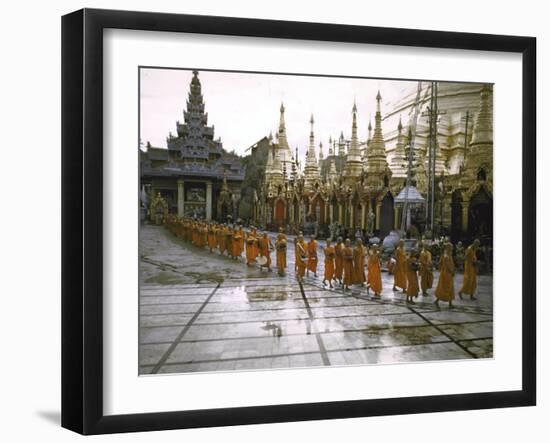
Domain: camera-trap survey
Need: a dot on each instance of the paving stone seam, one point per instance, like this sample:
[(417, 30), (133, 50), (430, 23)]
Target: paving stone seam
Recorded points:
[(327, 332), (296, 319), (171, 348), (328, 351), (298, 334), (464, 348), (318, 337)]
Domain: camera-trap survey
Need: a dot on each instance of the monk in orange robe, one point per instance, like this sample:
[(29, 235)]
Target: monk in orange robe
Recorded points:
[(374, 272), (301, 257), (412, 276), (312, 256), (469, 285), (243, 241), (280, 245), (221, 239), (329, 263), (251, 247), (338, 260), (359, 263), (204, 235), (426, 270), (229, 241), (265, 246), (347, 254), (445, 286), (400, 271), (236, 244)]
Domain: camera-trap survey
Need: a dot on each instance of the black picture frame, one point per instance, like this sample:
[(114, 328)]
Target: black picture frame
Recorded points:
[(82, 232)]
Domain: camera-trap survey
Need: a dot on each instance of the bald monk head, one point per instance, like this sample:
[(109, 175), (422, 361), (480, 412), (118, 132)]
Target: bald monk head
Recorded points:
[(348, 242), (339, 240), (281, 230)]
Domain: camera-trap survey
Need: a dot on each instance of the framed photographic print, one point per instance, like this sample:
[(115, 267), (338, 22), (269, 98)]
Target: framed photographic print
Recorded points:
[(270, 221)]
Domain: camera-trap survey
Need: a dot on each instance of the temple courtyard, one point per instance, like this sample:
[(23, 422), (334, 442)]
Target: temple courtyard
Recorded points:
[(203, 312)]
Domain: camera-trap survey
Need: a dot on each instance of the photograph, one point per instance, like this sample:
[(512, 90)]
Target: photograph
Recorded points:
[(290, 220)]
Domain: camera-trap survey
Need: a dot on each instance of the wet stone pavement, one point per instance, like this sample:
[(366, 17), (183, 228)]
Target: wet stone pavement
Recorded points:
[(203, 312)]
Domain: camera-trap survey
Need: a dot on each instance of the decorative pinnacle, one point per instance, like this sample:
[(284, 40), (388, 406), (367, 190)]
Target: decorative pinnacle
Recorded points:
[(378, 98), (354, 109), (311, 121), (400, 125)]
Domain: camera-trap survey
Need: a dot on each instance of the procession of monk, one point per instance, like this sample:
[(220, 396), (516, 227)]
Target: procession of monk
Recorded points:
[(344, 264)]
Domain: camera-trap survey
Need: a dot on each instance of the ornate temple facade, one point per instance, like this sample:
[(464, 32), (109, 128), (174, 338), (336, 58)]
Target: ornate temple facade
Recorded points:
[(356, 184), (194, 175)]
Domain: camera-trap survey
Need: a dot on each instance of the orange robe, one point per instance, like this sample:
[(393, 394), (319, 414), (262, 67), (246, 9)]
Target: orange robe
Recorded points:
[(412, 277), (400, 272), (301, 256), (211, 239), (242, 242), (281, 253), (265, 244), (236, 244), (221, 240), (338, 261), (229, 241), (312, 256), (426, 272), (469, 284), (348, 265), (445, 286), (204, 236), (251, 248), (375, 275), (359, 265), (329, 263)]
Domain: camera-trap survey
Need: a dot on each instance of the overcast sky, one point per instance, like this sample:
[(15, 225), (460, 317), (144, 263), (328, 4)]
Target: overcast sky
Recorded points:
[(245, 107)]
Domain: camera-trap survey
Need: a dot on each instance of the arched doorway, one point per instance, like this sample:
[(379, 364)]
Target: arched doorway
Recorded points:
[(456, 216), (386, 215), (279, 212), (318, 210), (480, 215)]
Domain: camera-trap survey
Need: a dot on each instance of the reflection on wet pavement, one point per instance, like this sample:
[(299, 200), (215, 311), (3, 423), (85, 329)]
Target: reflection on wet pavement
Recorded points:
[(201, 312)]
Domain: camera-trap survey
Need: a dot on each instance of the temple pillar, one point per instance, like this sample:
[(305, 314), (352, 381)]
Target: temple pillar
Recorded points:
[(351, 214), (292, 213), (208, 200), (465, 213), (363, 215), (340, 214), (378, 205), (331, 213), (181, 199), (395, 217)]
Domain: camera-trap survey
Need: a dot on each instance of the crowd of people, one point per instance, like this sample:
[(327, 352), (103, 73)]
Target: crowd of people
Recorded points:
[(345, 263)]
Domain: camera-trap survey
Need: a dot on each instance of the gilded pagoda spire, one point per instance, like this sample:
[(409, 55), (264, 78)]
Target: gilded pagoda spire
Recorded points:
[(341, 144), (369, 138), (283, 143), (399, 160), (377, 164), (354, 166), (478, 162), (311, 169), (330, 147)]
